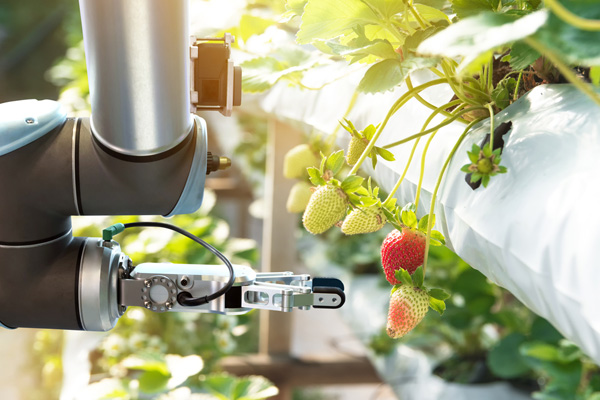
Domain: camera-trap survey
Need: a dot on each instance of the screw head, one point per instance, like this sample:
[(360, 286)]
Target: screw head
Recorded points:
[(29, 121), (148, 305), (168, 305), (148, 283)]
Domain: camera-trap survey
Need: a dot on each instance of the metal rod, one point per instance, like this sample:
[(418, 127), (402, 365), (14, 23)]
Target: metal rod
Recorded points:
[(137, 55)]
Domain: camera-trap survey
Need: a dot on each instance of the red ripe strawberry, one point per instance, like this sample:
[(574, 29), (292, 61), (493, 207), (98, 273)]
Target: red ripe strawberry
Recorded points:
[(408, 306), (402, 249)]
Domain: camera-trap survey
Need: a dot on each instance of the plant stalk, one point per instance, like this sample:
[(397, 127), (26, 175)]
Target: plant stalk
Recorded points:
[(444, 123), (578, 22), (437, 186), (399, 103)]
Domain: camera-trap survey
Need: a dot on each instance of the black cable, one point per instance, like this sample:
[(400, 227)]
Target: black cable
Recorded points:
[(185, 298)]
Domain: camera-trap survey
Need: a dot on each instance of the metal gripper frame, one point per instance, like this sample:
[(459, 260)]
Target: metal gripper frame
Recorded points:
[(156, 287)]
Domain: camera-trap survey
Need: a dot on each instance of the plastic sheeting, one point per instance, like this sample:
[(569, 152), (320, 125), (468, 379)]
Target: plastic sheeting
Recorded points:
[(534, 230)]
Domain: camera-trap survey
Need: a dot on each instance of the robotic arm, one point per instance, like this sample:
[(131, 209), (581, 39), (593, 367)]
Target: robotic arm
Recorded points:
[(142, 152)]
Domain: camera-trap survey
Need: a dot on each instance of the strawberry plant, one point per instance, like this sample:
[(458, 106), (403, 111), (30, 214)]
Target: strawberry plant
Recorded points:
[(489, 53)]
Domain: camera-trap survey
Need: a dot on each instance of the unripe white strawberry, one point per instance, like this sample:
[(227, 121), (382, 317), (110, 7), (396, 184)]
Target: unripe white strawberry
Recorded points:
[(326, 206), (297, 160), (408, 306), (299, 197), (364, 220)]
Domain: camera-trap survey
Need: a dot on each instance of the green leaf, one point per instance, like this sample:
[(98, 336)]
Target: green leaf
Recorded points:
[(385, 154), (403, 276), (387, 74), (262, 73), (254, 388), (505, 360), (386, 8), (522, 56), (296, 6), (467, 8), (485, 180), (478, 35), (575, 46), (390, 203), (410, 207), (413, 41), (315, 176), (437, 305), (228, 387), (328, 19), (379, 49), (409, 218), (503, 92), (146, 363), (352, 183), (153, 381), (541, 351), (568, 352), (252, 25), (437, 236), (369, 131), (439, 294), (335, 162), (473, 157), (476, 177), (368, 201), (423, 223), (417, 277), (362, 191), (431, 14), (542, 330)]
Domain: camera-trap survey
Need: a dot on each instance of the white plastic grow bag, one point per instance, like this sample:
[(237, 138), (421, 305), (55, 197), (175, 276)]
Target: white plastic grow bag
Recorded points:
[(534, 230)]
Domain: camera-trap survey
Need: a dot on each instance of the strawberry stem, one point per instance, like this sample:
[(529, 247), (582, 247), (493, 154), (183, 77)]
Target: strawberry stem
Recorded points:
[(573, 19), (423, 156), (397, 186), (448, 71), (395, 107), (491, 144), (437, 186), (428, 104), (416, 14), (516, 94), (435, 128)]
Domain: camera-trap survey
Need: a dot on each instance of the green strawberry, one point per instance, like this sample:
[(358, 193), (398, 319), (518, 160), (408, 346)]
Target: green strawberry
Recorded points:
[(359, 142), (297, 160), (299, 197), (408, 306), (326, 207), (355, 149), (364, 220)]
